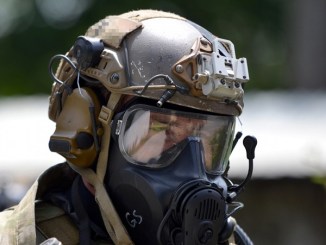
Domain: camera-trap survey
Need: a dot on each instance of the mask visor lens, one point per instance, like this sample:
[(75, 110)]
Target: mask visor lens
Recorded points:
[(154, 137)]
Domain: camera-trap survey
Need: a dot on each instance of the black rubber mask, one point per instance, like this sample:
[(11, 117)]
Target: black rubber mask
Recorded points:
[(171, 197)]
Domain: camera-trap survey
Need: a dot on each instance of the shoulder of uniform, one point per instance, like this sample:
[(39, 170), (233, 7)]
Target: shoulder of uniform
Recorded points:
[(52, 221), (46, 211), (59, 176)]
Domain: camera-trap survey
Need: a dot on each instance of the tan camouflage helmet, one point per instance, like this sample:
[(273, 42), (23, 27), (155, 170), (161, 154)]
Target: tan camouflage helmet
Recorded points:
[(162, 56)]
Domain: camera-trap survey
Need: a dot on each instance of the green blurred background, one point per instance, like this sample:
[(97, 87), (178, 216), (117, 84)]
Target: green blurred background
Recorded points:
[(280, 39), (284, 42)]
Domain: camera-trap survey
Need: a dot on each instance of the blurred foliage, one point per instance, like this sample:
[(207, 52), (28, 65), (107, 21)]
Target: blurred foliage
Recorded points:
[(256, 27), (320, 180)]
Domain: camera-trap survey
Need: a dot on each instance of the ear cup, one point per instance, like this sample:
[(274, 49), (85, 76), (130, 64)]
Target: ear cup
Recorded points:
[(75, 136)]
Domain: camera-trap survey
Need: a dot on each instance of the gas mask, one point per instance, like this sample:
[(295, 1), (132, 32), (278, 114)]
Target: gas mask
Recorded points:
[(165, 174)]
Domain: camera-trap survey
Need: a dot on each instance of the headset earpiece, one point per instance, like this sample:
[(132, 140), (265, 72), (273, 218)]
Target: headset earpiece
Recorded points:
[(75, 136)]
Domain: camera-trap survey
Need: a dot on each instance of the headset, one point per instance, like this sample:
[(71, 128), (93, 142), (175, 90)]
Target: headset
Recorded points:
[(78, 130)]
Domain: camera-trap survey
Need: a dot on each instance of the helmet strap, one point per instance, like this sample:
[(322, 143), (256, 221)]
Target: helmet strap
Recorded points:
[(110, 216)]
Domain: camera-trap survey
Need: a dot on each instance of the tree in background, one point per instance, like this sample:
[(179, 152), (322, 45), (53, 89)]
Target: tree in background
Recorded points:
[(283, 40)]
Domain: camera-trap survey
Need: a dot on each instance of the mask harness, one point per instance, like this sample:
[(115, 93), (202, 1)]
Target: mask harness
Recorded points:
[(111, 220)]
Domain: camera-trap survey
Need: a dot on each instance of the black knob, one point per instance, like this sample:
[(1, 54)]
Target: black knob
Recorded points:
[(206, 236), (59, 145), (88, 51), (84, 140), (250, 143)]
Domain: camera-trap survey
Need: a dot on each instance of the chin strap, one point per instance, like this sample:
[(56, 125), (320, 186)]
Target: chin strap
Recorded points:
[(110, 216)]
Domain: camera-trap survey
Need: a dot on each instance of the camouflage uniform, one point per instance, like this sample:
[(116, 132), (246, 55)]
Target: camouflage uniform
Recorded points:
[(34, 220)]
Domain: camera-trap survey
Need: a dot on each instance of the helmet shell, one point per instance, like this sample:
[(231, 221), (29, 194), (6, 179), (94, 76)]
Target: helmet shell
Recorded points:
[(156, 48)]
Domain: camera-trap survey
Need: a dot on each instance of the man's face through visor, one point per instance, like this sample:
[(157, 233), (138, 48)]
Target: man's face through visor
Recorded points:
[(154, 137)]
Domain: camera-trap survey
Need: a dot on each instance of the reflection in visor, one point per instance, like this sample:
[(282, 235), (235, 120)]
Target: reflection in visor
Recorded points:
[(154, 137)]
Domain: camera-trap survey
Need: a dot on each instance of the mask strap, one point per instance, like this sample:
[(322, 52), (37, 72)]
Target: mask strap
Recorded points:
[(110, 216), (105, 118)]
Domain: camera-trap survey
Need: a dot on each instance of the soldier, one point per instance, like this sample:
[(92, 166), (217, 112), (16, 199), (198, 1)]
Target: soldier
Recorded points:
[(145, 106)]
